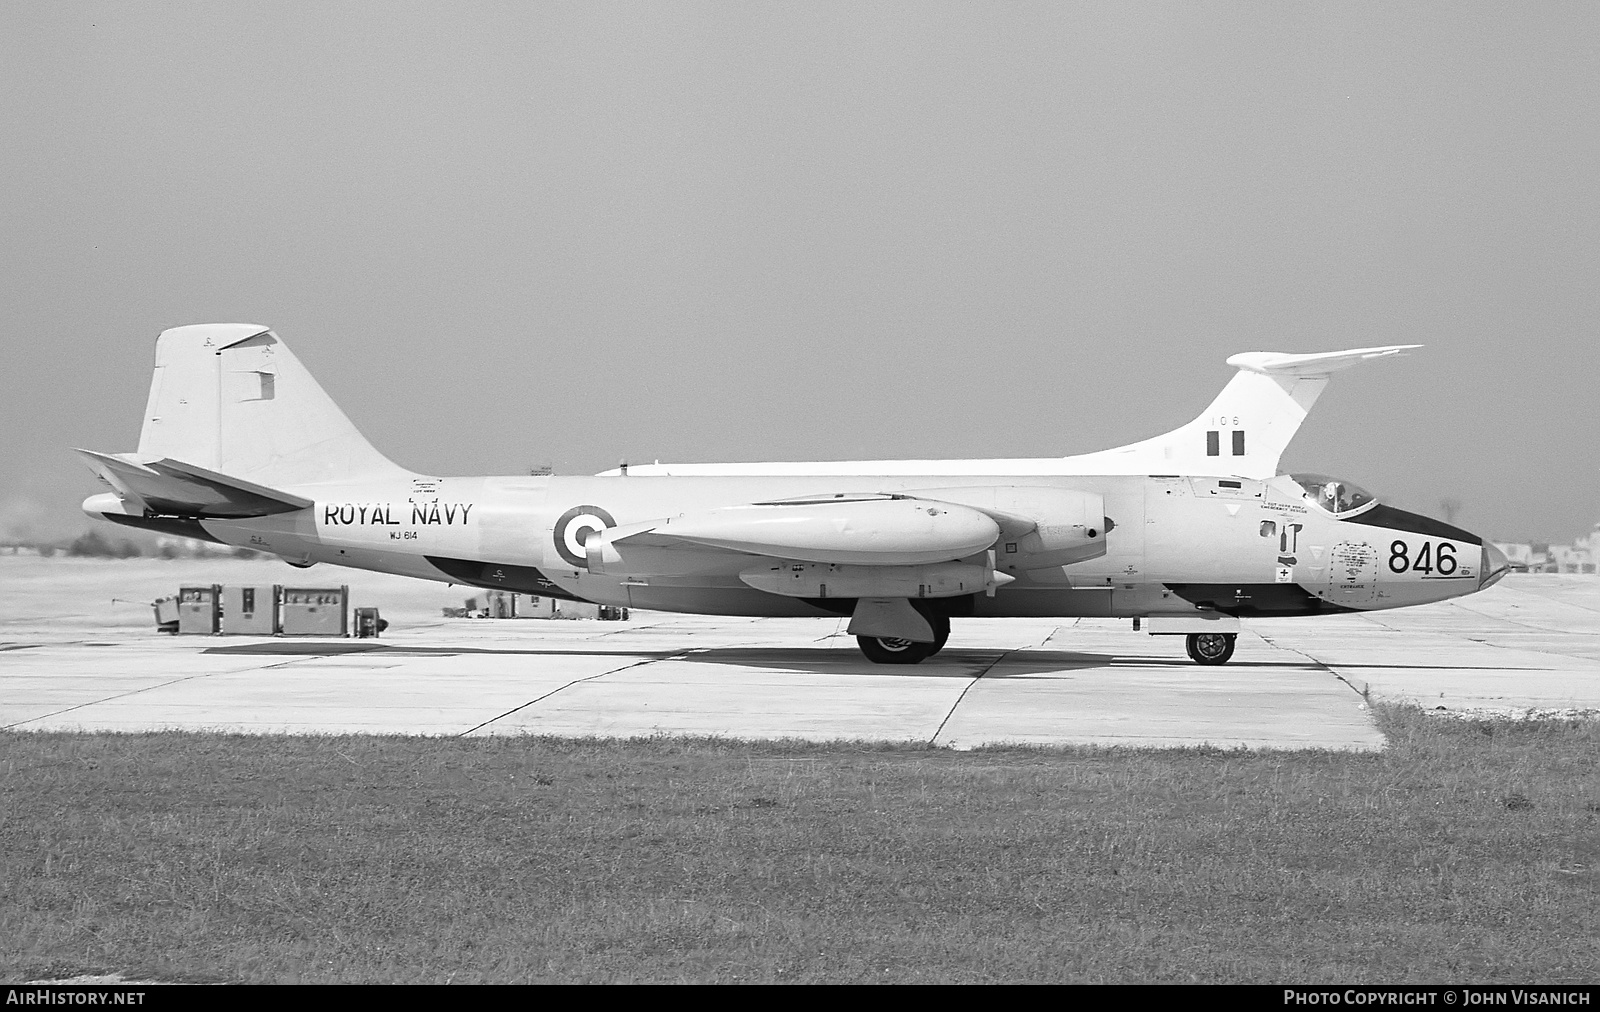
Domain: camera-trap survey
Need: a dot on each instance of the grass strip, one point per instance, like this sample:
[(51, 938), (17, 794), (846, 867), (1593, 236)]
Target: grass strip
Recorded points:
[(1465, 852)]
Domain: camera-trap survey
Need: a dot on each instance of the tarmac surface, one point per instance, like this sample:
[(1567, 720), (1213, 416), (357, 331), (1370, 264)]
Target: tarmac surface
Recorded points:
[(79, 651)]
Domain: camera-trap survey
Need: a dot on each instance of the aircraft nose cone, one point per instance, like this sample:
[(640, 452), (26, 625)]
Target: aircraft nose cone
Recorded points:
[(1495, 566)]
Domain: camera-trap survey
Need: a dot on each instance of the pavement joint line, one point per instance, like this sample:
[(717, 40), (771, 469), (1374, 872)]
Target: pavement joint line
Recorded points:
[(838, 630), (107, 699), (957, 704), (587, 678), (1057, 629), (1569, 604), (1543, 630), (1527, 649), (1330, 669), (1526, 625), (620, 632), (1380, 623)]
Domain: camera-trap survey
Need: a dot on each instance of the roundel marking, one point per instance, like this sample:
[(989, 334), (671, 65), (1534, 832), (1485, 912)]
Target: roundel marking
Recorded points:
[(574, 526)]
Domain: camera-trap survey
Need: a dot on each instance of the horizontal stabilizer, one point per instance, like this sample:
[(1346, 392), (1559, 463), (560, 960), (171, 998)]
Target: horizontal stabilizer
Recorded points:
[(173, 488)]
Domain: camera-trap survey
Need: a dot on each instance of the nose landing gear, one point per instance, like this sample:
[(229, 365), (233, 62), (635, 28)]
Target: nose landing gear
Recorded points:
[(1210, 648)]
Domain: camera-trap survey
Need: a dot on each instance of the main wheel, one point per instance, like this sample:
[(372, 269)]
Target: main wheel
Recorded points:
[(941, 631), (886, 650), (1210, 648)]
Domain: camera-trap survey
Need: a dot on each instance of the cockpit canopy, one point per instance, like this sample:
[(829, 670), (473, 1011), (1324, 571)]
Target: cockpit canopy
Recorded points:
[(1334, 495)]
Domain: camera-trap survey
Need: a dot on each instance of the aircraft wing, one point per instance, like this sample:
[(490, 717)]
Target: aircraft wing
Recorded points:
[(174, 488)]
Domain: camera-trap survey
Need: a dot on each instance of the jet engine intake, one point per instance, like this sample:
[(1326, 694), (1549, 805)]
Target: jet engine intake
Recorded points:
[(1040, 528)]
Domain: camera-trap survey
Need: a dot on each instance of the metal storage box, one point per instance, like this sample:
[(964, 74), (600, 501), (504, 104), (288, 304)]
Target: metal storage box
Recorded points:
[(250, 611), (166, 609), (315, 611), (198, 610), (368, 623)]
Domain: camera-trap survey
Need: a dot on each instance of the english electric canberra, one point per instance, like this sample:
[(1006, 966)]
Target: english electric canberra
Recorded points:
[(1189, 531)]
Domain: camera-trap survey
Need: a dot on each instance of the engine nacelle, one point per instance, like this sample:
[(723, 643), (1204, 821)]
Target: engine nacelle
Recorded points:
[(852, 530), (813, 579), (1039, 527)]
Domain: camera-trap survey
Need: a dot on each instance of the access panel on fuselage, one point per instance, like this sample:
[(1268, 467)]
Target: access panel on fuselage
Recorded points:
[(1207, 530)]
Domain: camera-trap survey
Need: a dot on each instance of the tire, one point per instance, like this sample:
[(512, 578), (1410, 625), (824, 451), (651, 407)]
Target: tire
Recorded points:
[(895, 651), (941, 631), (1210, 648)]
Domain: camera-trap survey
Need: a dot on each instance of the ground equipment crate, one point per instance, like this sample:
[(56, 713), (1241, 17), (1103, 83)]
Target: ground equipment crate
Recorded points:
[(199, 610), (315, 611), (166, 609), (250, 611)]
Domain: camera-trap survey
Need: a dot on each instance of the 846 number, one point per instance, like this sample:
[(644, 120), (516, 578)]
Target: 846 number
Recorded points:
[(1441, 560)]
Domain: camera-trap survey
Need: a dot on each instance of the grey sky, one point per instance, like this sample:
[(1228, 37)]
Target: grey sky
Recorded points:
[(503, 235)]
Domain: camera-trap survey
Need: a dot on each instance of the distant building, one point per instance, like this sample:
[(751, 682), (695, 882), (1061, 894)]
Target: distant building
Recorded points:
[(1581, 557), (1522, 557)]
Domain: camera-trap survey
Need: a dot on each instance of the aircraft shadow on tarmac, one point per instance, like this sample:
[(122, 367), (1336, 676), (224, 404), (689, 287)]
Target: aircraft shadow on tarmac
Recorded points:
[(338, 649), (995, 663), (951, 663)]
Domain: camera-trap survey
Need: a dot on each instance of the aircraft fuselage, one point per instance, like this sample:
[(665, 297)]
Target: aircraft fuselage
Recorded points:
[(1176, 545)]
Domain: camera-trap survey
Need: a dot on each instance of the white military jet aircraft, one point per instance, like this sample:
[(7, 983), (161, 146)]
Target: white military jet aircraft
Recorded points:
[(1189, 531)]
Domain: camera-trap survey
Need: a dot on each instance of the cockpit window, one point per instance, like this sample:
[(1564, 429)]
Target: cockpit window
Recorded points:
[(1336, 496)]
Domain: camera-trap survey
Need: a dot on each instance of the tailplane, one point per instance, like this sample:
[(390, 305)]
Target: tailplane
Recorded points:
[(173, 488)]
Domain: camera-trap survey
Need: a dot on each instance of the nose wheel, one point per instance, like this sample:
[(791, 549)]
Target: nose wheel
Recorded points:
[(1210, 648)]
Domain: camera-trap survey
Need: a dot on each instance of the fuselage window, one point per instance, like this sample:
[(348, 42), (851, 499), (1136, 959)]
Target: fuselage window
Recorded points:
[(1269, 528)]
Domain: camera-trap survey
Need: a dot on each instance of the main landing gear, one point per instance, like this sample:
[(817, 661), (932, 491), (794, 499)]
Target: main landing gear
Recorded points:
[(1203, 648), (1210, 648), (881, 650)]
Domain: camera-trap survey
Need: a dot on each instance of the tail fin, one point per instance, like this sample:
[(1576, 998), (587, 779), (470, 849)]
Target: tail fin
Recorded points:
[(1249, 424), (231, 398)]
